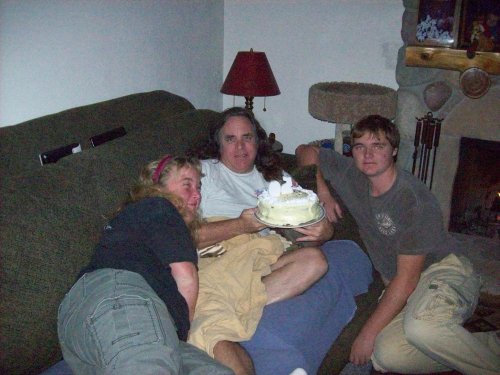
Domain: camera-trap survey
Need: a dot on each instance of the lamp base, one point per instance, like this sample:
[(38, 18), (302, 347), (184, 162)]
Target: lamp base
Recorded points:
[(249, 102)]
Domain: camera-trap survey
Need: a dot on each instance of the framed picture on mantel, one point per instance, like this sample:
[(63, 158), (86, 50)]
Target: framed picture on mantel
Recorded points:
[(438, 22), (480, 25)]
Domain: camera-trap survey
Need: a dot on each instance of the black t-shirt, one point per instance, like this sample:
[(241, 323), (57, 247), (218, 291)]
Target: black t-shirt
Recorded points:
[(146, 237)]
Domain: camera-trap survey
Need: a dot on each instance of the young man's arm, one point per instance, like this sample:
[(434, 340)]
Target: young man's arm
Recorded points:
[(396, 294), (309, 155)]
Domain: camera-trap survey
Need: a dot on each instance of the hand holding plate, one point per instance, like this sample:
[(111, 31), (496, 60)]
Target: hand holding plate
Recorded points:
[(320, 231)]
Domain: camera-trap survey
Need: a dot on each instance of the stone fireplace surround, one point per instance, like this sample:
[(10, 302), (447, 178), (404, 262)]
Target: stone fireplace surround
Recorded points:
[(423, 90)]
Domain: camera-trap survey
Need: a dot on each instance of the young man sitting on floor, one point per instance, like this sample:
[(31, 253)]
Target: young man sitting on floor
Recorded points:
[(431, 288)]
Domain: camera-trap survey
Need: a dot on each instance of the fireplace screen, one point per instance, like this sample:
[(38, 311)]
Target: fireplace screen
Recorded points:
[(475, 203)]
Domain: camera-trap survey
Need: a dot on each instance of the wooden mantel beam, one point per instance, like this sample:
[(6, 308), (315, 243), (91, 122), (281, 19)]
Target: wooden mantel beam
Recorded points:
[(452, 59)]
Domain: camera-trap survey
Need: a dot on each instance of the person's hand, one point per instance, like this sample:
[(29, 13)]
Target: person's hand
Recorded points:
[(319, 232), (249, 222), (361, 350), (332, 209)]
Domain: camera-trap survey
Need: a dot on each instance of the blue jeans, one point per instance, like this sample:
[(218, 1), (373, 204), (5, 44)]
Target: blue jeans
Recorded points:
[(112, 322)]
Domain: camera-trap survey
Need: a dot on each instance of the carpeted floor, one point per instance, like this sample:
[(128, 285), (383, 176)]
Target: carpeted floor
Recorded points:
[(485, 318)]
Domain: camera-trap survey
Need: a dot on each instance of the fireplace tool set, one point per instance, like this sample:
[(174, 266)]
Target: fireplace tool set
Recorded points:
[(426, 143)]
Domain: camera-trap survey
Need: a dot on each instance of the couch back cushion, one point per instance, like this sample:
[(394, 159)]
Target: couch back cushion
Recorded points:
[(21, 144), (50, 221)]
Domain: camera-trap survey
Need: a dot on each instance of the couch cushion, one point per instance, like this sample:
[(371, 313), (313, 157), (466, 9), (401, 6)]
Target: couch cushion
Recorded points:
[(50, 221), (21, 144), (48, 225)]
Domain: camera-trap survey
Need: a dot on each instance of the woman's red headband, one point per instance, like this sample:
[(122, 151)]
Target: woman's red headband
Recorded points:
[(160, 167)]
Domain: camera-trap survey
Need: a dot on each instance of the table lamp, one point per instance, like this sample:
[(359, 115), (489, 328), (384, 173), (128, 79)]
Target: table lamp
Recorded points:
[(250, 76)]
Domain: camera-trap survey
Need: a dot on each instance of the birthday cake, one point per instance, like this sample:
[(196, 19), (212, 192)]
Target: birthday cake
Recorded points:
[(287, 205)]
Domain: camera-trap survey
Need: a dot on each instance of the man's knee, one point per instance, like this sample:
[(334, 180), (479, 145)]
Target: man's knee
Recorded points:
[(423, 333), (386, 356), (315, 259)]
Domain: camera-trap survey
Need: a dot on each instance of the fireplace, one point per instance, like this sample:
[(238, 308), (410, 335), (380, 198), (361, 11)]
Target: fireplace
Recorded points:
[(439, 90), (469, 118), (475, 201), (423, 89)]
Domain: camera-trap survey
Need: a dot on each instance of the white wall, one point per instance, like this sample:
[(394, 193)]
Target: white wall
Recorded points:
[(58, 54), (310, 41)]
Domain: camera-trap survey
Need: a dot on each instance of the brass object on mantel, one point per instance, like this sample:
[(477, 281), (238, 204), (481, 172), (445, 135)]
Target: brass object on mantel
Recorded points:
[(474, 82), (452, 59)]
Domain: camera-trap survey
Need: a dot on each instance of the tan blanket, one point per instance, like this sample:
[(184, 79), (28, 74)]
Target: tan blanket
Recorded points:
[(232, 295)]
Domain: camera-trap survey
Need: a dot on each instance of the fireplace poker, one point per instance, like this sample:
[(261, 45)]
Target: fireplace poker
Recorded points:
[(436, 144), (416, 143), (422, 150), (428, 146)]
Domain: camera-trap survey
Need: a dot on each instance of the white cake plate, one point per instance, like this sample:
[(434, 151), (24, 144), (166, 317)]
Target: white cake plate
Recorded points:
[(311, 222)]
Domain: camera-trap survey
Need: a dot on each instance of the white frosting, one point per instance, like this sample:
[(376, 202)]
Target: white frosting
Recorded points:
[(274, 189), (293, 205), (286, 189), (288, 181)]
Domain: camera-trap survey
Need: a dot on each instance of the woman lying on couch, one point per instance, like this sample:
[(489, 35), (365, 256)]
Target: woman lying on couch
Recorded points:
[(130, 310)]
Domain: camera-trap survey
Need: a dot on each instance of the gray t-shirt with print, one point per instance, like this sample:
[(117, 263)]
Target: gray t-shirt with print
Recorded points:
[(405, 220)]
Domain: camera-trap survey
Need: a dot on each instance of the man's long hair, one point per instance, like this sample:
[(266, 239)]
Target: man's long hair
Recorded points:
[(267, 161)]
